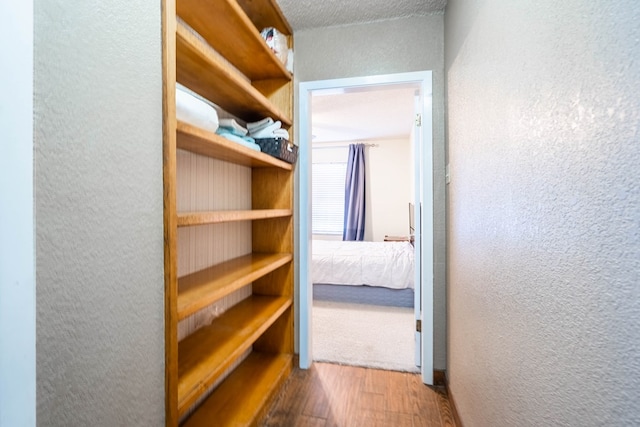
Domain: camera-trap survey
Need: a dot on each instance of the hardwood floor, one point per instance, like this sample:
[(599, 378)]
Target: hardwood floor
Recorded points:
[(329, 395)]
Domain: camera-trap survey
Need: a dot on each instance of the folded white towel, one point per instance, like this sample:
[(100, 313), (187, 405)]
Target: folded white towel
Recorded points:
[(195, 111), (281, 133), (233, 125), (260, 124), (266, 131)]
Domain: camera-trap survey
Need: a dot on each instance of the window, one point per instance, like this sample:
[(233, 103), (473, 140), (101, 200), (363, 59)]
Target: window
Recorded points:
[(327, 180)]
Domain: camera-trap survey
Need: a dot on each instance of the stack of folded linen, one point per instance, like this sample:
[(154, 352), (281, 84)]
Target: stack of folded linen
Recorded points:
[(194, 110), (233, 131), (267, 128)]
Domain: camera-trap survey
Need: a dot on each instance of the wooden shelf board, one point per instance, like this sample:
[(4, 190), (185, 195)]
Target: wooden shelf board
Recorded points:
[(264, 372), (204, 355), (225, 26), (266, 14), (206, 72), (203, 288), (169, 212), (186, 219), (200, 141)]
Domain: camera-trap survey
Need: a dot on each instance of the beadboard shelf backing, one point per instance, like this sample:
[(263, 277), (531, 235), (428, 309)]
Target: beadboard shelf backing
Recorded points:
[(202, 288), (200, 141)]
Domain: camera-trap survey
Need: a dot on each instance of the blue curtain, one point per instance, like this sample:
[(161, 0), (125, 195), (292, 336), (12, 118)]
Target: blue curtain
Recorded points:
[(354, 194)]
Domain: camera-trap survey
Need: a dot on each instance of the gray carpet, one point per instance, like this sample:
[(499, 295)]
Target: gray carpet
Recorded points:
[(364, 335)]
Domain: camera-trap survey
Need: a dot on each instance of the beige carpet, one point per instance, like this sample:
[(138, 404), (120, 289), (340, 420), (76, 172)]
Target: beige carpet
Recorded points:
[(364, 335)]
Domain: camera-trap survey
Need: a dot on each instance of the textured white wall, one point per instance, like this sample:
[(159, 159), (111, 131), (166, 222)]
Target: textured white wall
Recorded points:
[(99, 235), (386, 47), (544, 241)]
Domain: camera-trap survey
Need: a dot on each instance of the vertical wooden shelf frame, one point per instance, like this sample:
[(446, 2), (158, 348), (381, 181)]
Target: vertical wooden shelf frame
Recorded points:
[(215, 49), (170, 213)]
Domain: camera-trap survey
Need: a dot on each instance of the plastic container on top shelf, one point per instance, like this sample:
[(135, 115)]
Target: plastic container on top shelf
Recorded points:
[(277, 42)]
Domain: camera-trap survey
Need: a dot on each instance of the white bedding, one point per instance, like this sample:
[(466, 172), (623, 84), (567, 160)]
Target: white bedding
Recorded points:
[(386, 264)]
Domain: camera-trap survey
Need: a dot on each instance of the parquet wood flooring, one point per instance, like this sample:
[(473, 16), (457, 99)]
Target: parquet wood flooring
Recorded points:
[(330, 395)]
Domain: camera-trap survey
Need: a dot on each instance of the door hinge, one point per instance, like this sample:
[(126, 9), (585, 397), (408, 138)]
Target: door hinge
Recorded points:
[(418, 119), (419, 325)]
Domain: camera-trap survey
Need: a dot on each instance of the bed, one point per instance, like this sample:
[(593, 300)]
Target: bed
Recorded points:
[(380, 273)]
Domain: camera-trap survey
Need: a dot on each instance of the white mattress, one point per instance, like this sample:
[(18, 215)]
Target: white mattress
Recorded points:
[(386, 264)]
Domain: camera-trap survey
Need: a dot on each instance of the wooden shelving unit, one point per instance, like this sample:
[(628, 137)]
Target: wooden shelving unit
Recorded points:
[(255, 60), (264, 372), (200, 289), (205, 71), (214, 48), (216, 217), (212, 145), (204, 355)]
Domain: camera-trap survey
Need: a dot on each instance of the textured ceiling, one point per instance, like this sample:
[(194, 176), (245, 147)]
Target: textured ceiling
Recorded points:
[(303, 14), (359, 114), (379, 112)]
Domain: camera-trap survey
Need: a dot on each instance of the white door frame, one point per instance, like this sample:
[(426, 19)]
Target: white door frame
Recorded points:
[(17, 227), (303, 169)]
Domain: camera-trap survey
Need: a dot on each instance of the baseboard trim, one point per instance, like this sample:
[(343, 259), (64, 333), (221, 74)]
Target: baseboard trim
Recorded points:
[(454, 409), (439, 378)]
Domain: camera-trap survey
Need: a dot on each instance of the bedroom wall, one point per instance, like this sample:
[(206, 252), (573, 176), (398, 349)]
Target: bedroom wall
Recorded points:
[(544, 238), (394, 46), (98, 209), (388, 189)]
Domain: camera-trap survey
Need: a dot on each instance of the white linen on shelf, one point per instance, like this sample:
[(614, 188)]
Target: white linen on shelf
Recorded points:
[(195, 111), (234, 126), (267, 128)]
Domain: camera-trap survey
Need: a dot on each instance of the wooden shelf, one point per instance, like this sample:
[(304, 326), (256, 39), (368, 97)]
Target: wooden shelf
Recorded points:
[(264, 372), (200, 141), (204, 355), (187, 219), (206, 72), (202, 288), (266, 14), (225, 26)]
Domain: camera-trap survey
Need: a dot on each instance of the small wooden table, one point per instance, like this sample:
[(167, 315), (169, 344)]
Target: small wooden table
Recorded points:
[(398, 238)]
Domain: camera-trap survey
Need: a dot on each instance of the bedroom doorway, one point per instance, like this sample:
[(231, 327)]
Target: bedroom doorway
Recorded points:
[(416, 200)]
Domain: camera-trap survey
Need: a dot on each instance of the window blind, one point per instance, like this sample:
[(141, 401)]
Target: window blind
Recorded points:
[(327, 180)]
